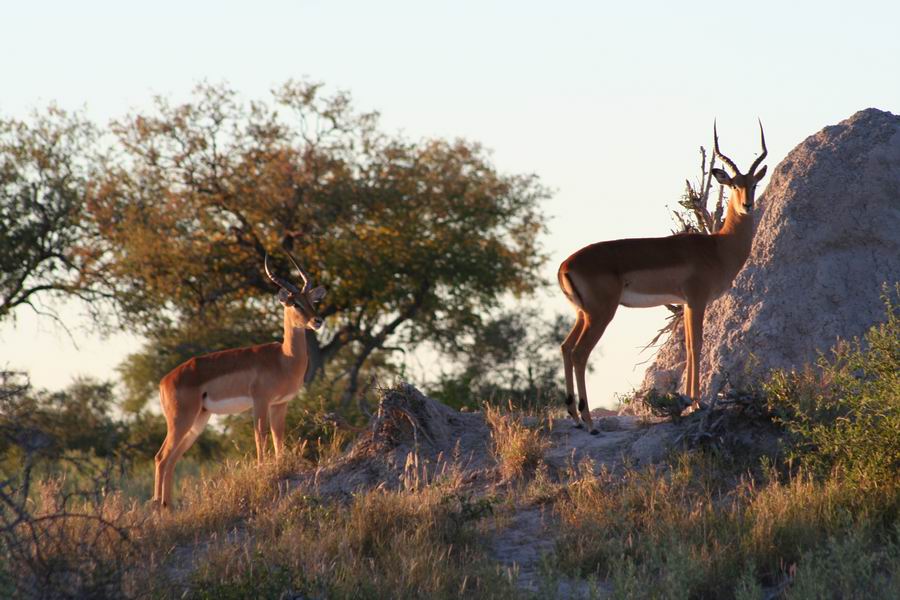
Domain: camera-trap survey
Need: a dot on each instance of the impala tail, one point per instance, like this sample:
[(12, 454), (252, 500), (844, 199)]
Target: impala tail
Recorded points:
[(568, 288)]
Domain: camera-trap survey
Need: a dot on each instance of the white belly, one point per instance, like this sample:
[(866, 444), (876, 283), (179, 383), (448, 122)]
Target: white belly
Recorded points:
[(228, 406), (638, 300)]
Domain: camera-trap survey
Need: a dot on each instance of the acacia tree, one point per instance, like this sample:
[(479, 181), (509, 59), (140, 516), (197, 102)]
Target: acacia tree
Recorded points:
[(43, 169), (415, 241)]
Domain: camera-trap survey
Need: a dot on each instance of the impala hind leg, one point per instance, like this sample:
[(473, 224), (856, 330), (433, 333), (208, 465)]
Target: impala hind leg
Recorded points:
[(182, 434), (595, 324), (567, 346), (159, 464)]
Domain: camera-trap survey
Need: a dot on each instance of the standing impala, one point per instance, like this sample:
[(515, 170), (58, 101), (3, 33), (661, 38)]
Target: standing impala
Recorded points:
[(689, 269), (262, 377)]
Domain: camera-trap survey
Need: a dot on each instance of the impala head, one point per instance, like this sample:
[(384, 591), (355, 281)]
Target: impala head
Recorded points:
[(299, 304), (743, 187)]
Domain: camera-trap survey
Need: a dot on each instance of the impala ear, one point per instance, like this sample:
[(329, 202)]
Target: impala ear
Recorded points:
[(761, 173), (285, 297), (721, 176), (316, 294)]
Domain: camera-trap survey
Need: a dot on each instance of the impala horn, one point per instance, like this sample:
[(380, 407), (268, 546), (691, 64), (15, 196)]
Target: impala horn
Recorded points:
[(285, 285), (725, 159), (761, 157), (306, 280)]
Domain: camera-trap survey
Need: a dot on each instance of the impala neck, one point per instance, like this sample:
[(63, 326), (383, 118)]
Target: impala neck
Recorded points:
[(736, 235), (294, 344)]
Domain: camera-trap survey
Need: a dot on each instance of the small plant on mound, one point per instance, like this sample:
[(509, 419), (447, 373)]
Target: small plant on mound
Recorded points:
[(518, 447), (669, 405)]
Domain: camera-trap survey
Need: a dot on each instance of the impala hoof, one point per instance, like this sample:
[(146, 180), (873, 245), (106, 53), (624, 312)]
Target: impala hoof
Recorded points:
[(577, 426), (595, 432)]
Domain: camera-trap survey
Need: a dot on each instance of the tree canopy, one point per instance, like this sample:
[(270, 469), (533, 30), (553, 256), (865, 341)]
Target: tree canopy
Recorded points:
[(43, 169), (415, 240)]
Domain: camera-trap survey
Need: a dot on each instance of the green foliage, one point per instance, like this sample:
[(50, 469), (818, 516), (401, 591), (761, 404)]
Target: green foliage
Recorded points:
[(844, 415), (414, 241), (856, 566), (74, 420), (685, 532), (82, 423), (513, 359), (43, 174), (670, 404)]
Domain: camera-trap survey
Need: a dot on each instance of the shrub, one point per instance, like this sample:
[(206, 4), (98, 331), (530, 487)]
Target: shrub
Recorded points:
[(844, 414)]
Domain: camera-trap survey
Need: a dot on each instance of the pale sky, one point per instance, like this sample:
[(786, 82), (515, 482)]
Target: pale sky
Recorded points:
[(607, 103)]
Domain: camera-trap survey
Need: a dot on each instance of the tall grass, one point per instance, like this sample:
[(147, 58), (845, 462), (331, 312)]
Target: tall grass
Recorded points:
[(258, 532), (399, 544)]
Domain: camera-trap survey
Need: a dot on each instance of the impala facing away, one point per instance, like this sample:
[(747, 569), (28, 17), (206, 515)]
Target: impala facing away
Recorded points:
[(689, 269), (262, 377)]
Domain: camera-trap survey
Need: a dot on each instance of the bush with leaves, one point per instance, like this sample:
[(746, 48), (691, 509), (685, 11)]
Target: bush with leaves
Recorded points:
[(44, 166), (844, 414), (63, 534), (512, 360)]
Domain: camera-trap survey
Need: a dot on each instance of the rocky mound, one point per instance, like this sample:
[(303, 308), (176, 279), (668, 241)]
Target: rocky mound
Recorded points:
[(413, 438), (827, 239), (411, 435)]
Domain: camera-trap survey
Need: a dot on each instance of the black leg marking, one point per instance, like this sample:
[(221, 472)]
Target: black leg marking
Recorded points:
[(570, 406), (582, 404)]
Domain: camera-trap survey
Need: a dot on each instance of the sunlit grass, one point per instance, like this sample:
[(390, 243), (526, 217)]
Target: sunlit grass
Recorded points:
[(671, 533), (517, 447)]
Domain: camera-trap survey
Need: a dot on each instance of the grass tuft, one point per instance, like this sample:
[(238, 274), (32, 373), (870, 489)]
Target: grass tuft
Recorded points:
[(518, 448)]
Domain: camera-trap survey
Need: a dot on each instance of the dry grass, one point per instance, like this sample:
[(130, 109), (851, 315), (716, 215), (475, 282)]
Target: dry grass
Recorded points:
[(217, 501), (65, 544), (249, 532), (518, 448), (419, 541)]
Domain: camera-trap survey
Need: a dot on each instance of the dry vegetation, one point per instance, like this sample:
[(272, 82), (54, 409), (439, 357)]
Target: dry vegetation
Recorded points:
[(518, 448), (820, 518)]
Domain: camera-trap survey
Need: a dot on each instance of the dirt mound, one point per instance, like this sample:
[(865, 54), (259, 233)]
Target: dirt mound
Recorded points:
[(414, 436), (409, 432), (828, 237)]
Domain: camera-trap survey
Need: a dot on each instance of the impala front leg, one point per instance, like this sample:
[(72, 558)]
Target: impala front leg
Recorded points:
[(261, 430), (277, 414), (693, 328)]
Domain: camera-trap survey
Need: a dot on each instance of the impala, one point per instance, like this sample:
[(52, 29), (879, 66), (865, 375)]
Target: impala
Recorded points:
[(262, 378), (689, 269)]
